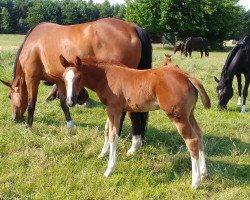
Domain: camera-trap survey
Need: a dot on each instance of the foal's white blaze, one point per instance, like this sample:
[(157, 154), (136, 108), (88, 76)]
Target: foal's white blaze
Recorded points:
[(136, 143), (112, 157), (196, 177), (69, 78)]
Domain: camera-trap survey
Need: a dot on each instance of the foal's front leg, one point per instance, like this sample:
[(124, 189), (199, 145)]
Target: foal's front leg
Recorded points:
[(114, 120), (105, 147)]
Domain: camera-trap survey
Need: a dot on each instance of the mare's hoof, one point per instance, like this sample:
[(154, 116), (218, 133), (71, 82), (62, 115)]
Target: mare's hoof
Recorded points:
[(102, 155), (107, 173), (131, 151)]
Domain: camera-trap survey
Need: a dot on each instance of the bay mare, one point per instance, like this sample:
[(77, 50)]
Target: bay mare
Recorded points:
[(38, 59), (237, 63), (124, 89)]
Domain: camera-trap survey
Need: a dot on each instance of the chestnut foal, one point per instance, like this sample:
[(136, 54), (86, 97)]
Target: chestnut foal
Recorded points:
[(124, 89)]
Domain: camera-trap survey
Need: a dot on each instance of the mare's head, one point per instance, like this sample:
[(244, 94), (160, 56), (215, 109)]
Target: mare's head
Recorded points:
[(167, 59), (72, 79), (18, 97), (224, 91)]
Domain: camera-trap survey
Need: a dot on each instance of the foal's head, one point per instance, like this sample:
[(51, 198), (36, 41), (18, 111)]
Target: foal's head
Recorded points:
[(18, 98), (72, 79), (167, 59)]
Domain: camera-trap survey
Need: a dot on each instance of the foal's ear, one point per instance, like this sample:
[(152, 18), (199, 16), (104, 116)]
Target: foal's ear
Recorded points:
[(78, 61), (216, 79), (6, 83), (63, 61)]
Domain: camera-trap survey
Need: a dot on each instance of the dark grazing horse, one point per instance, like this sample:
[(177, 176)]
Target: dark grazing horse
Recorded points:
[(237, 63), (38, 59), (195, 43)]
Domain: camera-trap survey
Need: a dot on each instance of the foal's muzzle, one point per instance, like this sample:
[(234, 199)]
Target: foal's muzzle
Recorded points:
[(71, 101)]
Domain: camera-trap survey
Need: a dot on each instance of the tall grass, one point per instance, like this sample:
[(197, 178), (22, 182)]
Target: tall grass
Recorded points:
[(47, 163)]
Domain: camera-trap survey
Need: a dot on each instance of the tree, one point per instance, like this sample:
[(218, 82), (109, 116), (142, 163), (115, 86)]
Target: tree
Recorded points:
[(105, 9), (5, 21)]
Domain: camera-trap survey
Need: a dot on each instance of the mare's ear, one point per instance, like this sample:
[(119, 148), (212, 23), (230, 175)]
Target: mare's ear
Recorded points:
[(63, 61), (6, 83), (78, 61), (216, 79)]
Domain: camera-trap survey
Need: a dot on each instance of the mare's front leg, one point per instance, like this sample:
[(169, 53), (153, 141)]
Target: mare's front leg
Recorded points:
[(65, 108), (201, 53), (32, 89), (238, 76), (245, 93), (114, 120)]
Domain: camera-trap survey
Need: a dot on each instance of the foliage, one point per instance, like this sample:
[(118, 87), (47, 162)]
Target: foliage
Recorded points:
[(47, 163)]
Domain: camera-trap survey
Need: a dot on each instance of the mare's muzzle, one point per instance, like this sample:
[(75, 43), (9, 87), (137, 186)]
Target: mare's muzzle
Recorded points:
[(17, 118), (222, 107)]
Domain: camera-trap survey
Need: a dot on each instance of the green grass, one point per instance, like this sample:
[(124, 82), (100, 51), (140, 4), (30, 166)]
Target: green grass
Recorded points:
[(50, 164)]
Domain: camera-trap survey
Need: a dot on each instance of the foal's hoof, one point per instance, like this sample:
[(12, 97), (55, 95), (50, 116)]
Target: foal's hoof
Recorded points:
[(195, 185), (70, 126), (102, 155), (131, 151), (107, 173)]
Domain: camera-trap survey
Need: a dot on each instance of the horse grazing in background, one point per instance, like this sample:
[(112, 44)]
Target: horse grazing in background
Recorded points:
[(179, 47), (38, 59), (237, 63), (123, 89), (195, 43)]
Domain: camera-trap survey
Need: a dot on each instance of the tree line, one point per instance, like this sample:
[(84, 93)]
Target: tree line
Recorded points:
[(216, 20)]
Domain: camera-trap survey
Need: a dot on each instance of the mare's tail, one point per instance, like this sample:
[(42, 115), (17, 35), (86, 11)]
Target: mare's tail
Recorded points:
[(201, 90), (139, 120)]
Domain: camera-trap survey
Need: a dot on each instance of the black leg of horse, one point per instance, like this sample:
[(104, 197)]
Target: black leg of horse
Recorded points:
[(238, 76), (121, 123), (201, 53), (245, 93), (31, 110), (65, 109)]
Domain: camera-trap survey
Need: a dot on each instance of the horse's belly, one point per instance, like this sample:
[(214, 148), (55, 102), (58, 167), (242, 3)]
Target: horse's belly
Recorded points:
[(138, 106)]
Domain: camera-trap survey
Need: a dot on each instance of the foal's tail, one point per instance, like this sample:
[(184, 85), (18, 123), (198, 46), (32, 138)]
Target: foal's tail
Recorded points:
[(201, 90)]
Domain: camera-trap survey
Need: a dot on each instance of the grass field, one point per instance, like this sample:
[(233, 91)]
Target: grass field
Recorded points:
[(50, 164)]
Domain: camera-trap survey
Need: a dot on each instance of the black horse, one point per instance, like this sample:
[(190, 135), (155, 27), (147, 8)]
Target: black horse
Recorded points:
[(195, 43), (237, 63)]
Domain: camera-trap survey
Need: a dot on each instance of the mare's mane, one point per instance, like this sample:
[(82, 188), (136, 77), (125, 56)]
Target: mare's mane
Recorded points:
[(242, 44), (19, 51)]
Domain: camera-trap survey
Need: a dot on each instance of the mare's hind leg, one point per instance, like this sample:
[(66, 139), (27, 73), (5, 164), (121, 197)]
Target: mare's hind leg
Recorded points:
[(238, 76), (32, 89), (53, 94), (192, 142), (65, 108), (139, 126), (245, 92), (203, 168)]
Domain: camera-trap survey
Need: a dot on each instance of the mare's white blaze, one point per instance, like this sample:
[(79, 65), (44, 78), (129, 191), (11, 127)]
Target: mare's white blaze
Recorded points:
[(196, 177), (203, 167), (69, 78), (243, 109), (112, 157), (105, 147), (239, 101), (136, 143)]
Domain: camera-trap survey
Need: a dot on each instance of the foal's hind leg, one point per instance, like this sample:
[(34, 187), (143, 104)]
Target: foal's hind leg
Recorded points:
[(203, 168), (65, 108), (192, 142)]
